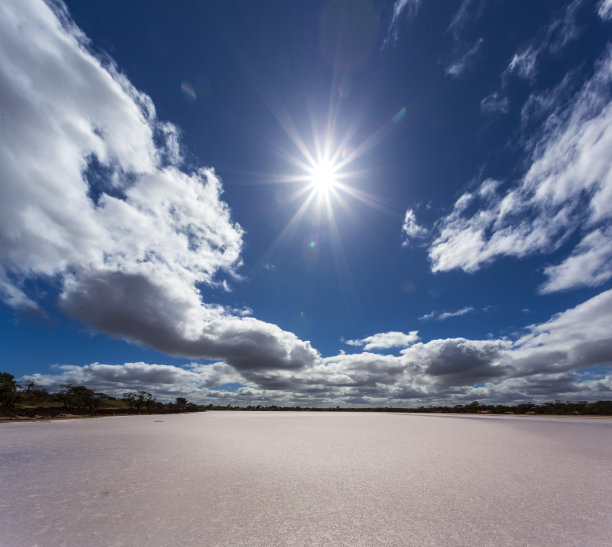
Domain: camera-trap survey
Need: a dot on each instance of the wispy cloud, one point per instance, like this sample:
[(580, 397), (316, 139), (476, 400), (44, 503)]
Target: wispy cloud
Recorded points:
[(564, 29), (428, 316), (605, 9), (465, 49), (495, 102), (542, 103), (457, 313), (567, 187), (524, 62), (401, 8), (441, 316), (559, 32), (469, 10), (465, 61)]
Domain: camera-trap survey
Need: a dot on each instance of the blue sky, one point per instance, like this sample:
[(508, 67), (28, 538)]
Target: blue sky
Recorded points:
[(329, 202)]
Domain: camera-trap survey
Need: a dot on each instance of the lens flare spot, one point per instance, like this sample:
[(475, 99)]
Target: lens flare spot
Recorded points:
[(311, 251), (398, 118), (344, 88), (312, 241), (188, 91), (347, 151)]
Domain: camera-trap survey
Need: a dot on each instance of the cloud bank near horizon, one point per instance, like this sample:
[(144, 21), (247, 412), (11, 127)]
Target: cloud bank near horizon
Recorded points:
[(568, 356)]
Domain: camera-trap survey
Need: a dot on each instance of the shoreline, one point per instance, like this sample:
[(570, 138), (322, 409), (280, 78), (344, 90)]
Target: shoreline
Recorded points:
[(71, 416)]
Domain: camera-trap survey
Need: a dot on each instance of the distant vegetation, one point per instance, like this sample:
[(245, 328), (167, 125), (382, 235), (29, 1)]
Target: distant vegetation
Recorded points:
[(581, 408), (33, 400)]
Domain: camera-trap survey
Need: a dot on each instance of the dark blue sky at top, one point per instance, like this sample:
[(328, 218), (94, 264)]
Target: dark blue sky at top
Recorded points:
[(251, 62)]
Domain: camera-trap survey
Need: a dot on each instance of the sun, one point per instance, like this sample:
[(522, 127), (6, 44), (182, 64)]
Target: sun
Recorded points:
[(323, 177)]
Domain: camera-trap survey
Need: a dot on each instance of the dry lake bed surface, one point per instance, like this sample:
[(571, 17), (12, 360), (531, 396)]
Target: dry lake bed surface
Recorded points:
[(300, 478)]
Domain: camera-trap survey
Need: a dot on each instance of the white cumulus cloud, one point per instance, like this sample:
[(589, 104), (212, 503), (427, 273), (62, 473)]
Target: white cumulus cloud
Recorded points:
[(411, 229), (95, 197), (386, 340)]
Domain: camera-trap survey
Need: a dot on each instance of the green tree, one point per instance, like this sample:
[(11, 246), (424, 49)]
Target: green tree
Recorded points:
[(81, 397), (130, 398), (62, 394), (140, 400), (31, 384), (145, 400), (8, 390), (34, 395)]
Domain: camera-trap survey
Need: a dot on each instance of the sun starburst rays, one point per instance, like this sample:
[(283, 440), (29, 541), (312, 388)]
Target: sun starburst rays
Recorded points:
[(323, 184), (323, 177)]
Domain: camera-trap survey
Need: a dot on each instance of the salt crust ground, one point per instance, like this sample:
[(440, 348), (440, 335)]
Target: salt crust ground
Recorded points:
[(289, 478)]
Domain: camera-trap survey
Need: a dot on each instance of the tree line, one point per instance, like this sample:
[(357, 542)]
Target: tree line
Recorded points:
[(585, 408), (18, 399)]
